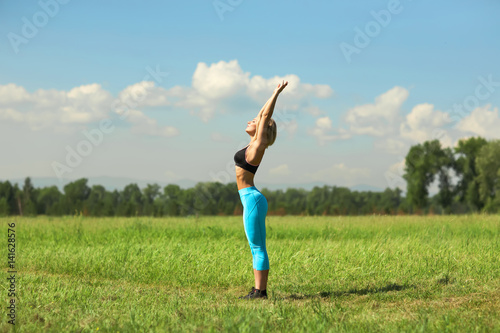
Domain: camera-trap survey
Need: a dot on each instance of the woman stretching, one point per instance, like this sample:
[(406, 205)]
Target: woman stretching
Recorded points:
[(262, 129)]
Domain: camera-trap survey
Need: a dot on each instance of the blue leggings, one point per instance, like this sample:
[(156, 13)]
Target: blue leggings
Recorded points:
[(254, 221)]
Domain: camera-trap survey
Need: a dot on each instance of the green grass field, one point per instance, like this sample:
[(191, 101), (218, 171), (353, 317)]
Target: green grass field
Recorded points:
[(375, 273)]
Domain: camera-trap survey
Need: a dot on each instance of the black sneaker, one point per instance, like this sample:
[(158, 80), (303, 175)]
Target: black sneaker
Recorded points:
[(255, 293), (249, 294)]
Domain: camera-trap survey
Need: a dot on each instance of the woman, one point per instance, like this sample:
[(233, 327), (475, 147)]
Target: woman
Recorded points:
[(262, 129)]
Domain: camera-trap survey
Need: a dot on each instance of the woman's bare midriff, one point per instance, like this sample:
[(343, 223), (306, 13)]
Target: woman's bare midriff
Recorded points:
[(244, 178)]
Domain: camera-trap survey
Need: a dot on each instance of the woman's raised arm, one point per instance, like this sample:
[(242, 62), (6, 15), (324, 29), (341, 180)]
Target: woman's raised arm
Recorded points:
[(264, 107), (267, 112), (281, 86)]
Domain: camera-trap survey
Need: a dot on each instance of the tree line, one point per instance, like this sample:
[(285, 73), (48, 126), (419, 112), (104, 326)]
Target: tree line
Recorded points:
[(205, 198), (468, 177)]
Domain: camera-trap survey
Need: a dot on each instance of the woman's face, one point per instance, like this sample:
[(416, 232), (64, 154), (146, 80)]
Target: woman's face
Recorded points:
[(251, 127)]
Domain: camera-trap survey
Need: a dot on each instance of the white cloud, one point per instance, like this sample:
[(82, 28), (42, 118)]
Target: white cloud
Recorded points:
[(324, 123), (280, 170), (141, 124), (482, 121), (259, 88), (144, 93), (377, 119), (11, 93), (216, 88), (314, 110), (219, 80), (324, 132), (394, 175), (63, 110), (391, 145), (45, 108), (424, 123), (398, 167), (224, 86), (383, 119), (11, 114)]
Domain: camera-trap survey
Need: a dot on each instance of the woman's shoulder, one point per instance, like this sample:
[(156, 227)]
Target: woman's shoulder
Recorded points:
[(254, 154), (258, 145)]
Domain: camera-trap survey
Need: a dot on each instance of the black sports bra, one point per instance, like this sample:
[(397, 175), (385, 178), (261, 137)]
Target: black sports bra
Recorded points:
[(241, 161)]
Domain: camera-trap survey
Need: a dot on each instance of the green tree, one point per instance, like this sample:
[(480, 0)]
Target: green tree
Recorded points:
[(423, 162), (112, 200), (317, 200), (295, 201), (444, 163), (467, 151), (131, 201), (8, 196), (75, 195), (228, 199), (95, 202), (186, 202), (18, 195), (172, 196), (488, 168), (390, 201), (29, 198), (340, 201), (418, 175), (150, 193), (49, 201), (205, 197)]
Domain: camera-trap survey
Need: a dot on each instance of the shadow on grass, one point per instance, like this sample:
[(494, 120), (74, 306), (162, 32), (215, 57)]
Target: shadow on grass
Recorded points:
[(353, 291)]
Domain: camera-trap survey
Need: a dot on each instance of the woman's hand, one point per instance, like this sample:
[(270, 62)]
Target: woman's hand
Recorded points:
[(280, 87)]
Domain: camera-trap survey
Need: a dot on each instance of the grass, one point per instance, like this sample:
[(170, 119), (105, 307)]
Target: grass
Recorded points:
[(339, 274)]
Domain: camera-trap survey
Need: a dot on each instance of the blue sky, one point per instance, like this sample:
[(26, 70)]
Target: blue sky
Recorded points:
[(345, 120)]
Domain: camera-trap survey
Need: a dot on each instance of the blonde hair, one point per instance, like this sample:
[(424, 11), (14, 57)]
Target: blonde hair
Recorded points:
[(271, 132)]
